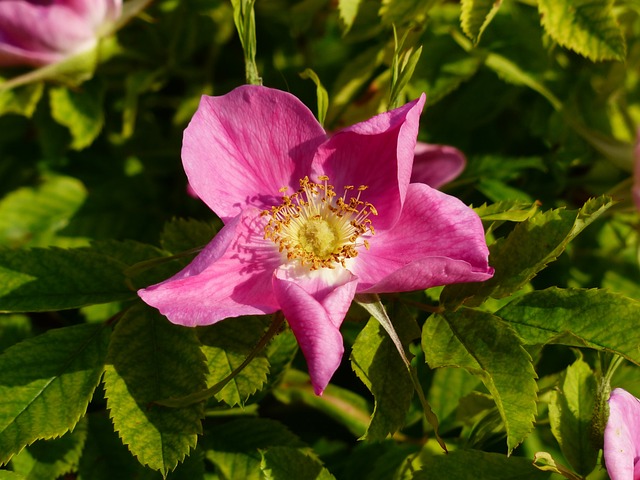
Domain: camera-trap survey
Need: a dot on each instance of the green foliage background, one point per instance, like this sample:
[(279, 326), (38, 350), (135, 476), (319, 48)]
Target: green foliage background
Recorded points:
[(543, 97)]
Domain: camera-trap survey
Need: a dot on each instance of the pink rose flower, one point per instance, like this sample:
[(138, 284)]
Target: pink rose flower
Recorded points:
[(311, 220), (42, 32), (436, 165), (622, 436)]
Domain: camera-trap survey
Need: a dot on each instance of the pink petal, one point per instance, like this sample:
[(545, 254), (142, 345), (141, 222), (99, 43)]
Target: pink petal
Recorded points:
[(438, 240), (229, 278), (622, 436), (436, 165), (37, 34), (242, 147), (377, 153), (315, 309)]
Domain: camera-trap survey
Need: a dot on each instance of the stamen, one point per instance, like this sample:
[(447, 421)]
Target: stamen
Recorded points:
[(316, 227)]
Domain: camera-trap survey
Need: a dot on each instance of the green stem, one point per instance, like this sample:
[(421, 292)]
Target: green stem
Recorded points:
[(196, 397)]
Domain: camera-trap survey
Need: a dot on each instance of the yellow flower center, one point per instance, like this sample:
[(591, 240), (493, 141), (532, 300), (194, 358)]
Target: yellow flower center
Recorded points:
[(316, 227)]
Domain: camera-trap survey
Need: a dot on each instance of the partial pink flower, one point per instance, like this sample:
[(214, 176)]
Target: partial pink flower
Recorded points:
[(42, 32), (436, 165), (311, 220), (622, 436)]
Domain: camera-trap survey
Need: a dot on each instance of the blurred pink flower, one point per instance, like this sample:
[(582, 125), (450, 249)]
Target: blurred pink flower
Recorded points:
[(42, 32), (436, 165), (311, 220), (622, 436)]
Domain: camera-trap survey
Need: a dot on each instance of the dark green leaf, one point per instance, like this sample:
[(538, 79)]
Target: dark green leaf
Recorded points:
[(39, 375), (474, 465), (181, 235), (488, 348), (151, 359), (234, 447), (285, 463), (577, 317), (56, 279), (344, 406)]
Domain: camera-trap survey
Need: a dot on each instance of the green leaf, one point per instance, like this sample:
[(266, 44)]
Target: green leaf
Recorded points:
[(234, 447), (56, 279), (50, 459), (448, 387), (80, 110), (507, 210), (151, 359), (571, 410), (321, 93), (13, 329), (476, 15), (22, 100), (347, 12), (526, 251), (474, 464), (180, 235), (400, 12), (376, 361), (8, 475), (403, 64), (351, 79), (588, 27), (226, 345), (32, 215), (577, 317), (340, 404), (487, 347), (105, 457), (38, 377), (285, 463)]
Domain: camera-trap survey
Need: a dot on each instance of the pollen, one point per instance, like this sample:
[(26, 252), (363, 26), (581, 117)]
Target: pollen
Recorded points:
[(316, 227)]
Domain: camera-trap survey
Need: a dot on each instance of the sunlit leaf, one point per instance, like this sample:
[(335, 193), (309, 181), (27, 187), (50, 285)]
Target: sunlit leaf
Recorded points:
[(488, 348), (32, 215), (571, 409), (81, 111), (39, 375), (376, 361), (476, 15), (527, 250), (226, 345), (22, 100), (588, 27), (52, 458), (151, 359)]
